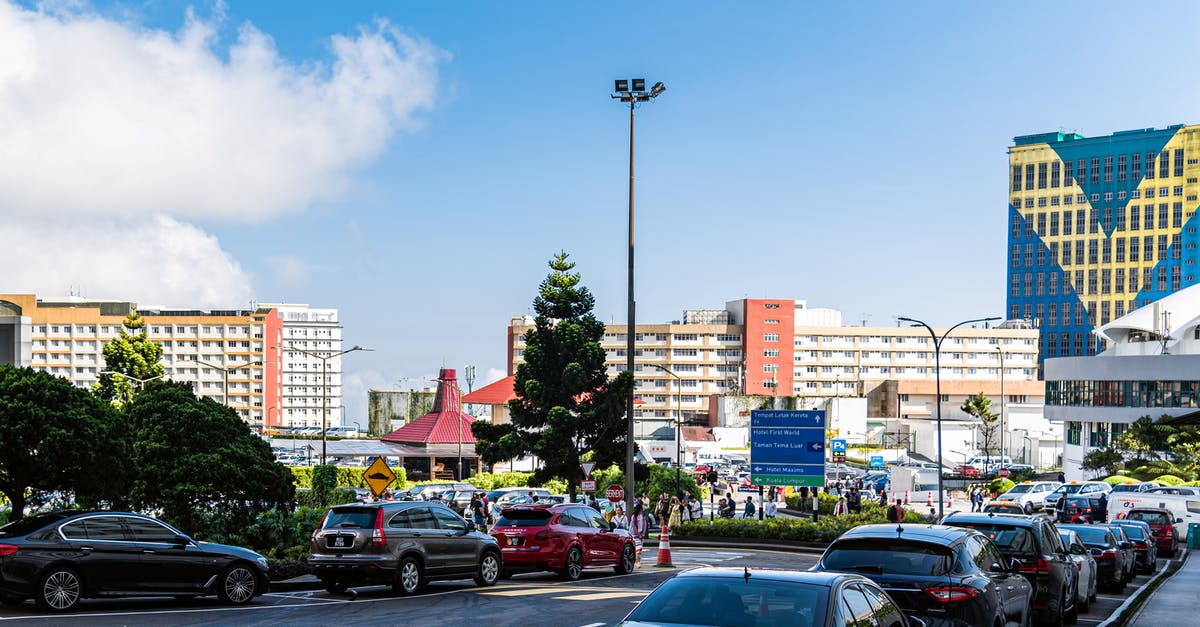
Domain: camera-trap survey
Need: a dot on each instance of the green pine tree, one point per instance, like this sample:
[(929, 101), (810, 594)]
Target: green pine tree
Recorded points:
[(130, 358)]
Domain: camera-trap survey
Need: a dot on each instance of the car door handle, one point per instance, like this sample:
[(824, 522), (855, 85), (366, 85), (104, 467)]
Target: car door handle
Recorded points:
[(86, 549), (147, 551)]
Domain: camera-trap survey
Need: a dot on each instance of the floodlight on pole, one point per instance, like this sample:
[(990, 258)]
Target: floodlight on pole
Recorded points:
[(139, 382), (632, 96), (325, 389), (225, 375), (937, 373)]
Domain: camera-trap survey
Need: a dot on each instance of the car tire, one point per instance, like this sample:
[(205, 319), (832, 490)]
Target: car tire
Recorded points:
[(334, 586), (489, 569), (1072, 615), (59, 590), (238, 586), (628, 561), (1056, 609), (572, 565), (1027, 508), (409, 577)]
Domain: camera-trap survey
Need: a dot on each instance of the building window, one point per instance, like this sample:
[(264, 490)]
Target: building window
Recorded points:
[(770, 337), (771, 352), (1075, 428)]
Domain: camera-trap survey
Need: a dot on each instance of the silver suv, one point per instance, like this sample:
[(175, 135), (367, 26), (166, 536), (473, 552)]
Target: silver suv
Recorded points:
[(402, 543)]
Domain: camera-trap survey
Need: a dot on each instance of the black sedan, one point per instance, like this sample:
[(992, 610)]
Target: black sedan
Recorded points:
[(942, 575), (60, 557), (767, 598), (1105, 548)]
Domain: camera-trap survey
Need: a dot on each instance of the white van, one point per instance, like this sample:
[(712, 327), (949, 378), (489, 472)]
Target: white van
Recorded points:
[(1184, 508), (989, 462)]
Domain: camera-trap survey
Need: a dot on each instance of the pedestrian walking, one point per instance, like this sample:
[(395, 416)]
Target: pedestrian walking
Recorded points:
[(637, 521), (676, 516), (841, 508), (662, 511), (619, 519), (895, 513), (854, 501), (748, 512)]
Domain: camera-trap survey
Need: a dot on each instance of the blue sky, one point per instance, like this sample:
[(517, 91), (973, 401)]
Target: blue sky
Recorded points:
[(853, 156)]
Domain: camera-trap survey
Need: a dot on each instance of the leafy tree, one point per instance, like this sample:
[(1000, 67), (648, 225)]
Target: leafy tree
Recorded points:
[(194, 454), (566, 405), (980, 406), (55, 436), (1107, 460), (130, 357)]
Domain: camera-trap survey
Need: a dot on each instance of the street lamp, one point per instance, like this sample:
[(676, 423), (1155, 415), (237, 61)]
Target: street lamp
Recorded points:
[(325, 389), (937, 372), (139, 382), (1000, 351), (632, 91), (225, 373), (678, 424)]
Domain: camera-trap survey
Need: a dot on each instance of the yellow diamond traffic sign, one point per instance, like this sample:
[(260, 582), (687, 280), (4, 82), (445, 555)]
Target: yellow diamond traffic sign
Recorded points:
[(378, 476)]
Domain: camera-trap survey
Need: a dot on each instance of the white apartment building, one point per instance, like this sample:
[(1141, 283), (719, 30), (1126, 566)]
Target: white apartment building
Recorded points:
[(317, 332)]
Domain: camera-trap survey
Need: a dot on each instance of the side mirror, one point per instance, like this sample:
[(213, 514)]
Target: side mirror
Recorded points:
[(1178, 520), (1095, 552), (182, 540), (1126, 545)]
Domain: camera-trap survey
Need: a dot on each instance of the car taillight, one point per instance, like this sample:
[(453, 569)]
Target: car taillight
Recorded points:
[(377, 537), (951, 594), (1040, 566), (1107, 554), (546, 534), (7, 549)]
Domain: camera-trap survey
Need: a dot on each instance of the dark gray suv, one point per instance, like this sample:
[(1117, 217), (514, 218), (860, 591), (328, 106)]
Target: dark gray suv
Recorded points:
[(404, 544)]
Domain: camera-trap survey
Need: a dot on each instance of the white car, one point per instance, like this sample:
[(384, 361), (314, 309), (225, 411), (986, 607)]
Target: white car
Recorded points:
[(1030, 495), (1085, 592)]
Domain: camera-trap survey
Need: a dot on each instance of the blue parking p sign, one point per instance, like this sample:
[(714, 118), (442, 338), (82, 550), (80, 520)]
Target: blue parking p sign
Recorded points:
[(838, 446)]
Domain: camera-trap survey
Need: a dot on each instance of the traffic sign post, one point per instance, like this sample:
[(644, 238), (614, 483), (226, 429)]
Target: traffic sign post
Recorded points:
[(787, 447), (378, 476), (588, 485), (877, 461), (615, 493), (587, 467), (1002, 473)]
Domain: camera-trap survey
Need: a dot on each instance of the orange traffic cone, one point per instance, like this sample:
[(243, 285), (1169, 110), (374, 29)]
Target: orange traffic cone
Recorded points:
[(949, 499), (906, 501), (664, 549), (929, 498)]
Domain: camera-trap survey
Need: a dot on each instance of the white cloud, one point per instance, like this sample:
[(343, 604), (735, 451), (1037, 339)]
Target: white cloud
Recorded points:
[(494, 375), (158, 261), (113, 135), (291, 271), (98, 116)]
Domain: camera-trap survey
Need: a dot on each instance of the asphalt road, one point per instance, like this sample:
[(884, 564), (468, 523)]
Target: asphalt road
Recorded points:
[(527, 600)]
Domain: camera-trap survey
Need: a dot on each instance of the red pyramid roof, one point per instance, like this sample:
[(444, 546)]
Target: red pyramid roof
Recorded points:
[(497, 393), (442, 425)]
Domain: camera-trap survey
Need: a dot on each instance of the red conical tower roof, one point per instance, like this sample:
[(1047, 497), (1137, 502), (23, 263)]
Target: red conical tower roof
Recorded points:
[(444, 424)]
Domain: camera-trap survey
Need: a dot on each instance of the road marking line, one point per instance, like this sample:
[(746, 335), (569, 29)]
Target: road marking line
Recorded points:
[(599, 596)]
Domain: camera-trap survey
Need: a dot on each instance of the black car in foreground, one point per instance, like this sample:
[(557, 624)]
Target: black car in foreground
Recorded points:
[(945, 576), (767, 598), (61, 557), (1035, 543), (1103, 545)]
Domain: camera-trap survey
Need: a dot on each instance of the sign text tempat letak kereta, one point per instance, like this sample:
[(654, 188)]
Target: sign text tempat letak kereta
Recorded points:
[(787, 447)]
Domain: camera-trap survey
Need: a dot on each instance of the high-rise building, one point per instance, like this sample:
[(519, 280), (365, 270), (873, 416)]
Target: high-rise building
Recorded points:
[(1098, 227), (236, 357)]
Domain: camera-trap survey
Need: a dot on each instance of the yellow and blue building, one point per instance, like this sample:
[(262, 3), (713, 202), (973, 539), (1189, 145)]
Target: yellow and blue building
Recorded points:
[(1099, 227)]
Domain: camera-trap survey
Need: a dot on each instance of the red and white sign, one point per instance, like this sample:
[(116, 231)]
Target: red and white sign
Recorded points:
[(588, 485), (1003, 472), (588, 467), (615, 493)]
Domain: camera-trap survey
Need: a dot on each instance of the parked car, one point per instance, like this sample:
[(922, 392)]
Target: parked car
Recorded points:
[(1079, 508), (1175, 489), (1161, 527), (61, 557), (402, 543), (1085, 564), (1134, 486), (1003, 508), (1126, 546), (432, 491), (1103, 547), (739, 596), (1030, 495), (567, 538), (1034, 541), (949, 575), (966, 470), (1144, 546), (1075, 487)]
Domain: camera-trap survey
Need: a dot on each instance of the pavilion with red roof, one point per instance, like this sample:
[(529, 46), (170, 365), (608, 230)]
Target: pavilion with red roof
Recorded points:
[(443, 436)]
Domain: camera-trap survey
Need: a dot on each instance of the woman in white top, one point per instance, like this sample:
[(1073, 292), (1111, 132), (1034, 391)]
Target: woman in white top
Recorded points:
[(619, 520)]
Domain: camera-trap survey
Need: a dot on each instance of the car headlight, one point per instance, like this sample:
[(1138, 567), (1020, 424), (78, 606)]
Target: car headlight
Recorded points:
[(262, 561)]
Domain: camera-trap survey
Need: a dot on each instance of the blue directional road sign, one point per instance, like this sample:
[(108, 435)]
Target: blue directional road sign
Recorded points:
[(787, 447), (877, 461)]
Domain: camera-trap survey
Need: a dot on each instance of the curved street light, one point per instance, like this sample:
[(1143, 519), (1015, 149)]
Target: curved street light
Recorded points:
[(678, 425), (937, 371), (325, 389), (139, 382)]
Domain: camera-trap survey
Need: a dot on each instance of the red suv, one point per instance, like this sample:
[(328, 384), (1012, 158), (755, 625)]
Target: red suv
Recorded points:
[(1160, 523), (564, 538)]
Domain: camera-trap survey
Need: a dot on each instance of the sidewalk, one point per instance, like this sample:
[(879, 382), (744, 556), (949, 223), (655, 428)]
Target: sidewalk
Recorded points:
[(1174, 602)]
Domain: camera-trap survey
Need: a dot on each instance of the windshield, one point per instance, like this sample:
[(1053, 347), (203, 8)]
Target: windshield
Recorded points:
[(351, 518), (893, 557), (524, 518), (1012, 541), (1092, 535), (1134, 532), (734, 601), (1151, 518), (1020, 489), (1070, 488)]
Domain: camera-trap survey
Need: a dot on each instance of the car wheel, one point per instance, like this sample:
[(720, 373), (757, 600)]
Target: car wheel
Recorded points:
[(489, 570), (1072, 616), (628, 557), (409, 577), (334, 586), (59, 590), (572, 565), (1028, 508), (238, 585)]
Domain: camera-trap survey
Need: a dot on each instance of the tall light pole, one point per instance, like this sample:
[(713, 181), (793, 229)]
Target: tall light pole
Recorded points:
[(678, 425), (632, 91), (937, 373), (325, 389), (225, 374), (139, 382), (1000, 350)]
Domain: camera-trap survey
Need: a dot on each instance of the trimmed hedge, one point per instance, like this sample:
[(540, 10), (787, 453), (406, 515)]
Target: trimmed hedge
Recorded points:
[(825, 530), (348, 476)]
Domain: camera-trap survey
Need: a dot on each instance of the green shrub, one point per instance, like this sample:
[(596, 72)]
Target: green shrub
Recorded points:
[(1171, 480), (348, 476), (492, 481), (1000, 485), (1119, 479), (826, 529)]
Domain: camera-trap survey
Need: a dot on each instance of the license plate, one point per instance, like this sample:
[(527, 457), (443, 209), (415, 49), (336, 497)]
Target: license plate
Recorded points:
[(339, 542), (516, 541)]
